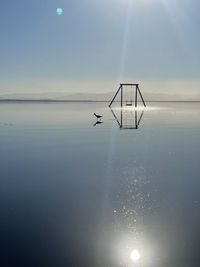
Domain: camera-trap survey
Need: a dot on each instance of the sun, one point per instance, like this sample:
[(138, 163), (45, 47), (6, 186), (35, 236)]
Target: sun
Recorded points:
[(135, 255)]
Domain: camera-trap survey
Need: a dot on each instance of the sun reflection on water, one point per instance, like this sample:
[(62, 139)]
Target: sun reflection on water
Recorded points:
[(140, 108), (135, 255)]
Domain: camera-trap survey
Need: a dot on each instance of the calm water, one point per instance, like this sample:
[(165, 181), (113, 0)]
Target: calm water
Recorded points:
[(73, 193)]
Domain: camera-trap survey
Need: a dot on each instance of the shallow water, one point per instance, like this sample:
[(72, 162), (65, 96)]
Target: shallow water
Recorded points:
[(73, 193)]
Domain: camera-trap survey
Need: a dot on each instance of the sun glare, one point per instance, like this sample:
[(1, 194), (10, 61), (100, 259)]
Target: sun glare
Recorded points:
[(135, 255)]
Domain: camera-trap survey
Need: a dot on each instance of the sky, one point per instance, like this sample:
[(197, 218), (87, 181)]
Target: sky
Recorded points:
[(94, 45)]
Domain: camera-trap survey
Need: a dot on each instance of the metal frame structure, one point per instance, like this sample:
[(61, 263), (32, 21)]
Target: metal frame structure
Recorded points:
[(137, 117), (121, 90)]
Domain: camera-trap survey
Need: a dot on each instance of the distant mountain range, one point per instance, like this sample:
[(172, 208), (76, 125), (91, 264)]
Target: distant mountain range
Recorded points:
[(54, 96)]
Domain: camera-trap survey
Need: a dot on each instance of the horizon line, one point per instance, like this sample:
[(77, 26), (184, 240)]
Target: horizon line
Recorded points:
[(92, 101)]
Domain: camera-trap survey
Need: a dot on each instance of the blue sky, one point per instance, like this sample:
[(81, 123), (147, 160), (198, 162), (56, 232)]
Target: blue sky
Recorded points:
[(96, 44)]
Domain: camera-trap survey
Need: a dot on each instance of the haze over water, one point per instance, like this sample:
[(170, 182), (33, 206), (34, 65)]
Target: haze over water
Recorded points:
[(75, 194)]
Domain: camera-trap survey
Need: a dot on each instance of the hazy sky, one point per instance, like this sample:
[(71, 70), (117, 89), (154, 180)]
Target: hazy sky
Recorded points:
[(95, 44)]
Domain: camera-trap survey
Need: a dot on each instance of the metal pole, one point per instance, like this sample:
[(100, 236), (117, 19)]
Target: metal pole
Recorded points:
[(121, 119), (121, 96), (116, 117), (115, 96), (140, 117), (136, 121), (141, 97), (136, 96)]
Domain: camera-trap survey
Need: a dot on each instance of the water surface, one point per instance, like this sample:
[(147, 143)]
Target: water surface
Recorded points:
[(77, 193)]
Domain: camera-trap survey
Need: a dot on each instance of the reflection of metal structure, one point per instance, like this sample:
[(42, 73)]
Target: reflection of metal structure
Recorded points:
[(128, 119), (129, 95)]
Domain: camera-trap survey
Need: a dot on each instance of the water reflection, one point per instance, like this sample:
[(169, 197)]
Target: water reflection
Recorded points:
[(97, 123), (128, 118), (132, 200), (75, 196)]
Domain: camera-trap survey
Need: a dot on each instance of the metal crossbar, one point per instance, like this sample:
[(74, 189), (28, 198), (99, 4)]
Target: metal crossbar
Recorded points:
[(128, 103)]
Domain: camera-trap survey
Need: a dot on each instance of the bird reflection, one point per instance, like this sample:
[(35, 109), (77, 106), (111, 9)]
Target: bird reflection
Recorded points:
[(128, 119), (97, 123)]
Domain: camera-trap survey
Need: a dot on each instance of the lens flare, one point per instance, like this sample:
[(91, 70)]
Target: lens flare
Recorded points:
[(59, 11)]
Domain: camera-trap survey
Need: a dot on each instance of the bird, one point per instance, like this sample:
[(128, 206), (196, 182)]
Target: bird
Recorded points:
[(98, 116)]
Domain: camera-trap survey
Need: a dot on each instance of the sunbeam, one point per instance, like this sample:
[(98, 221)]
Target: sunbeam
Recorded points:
[(125, 39)]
